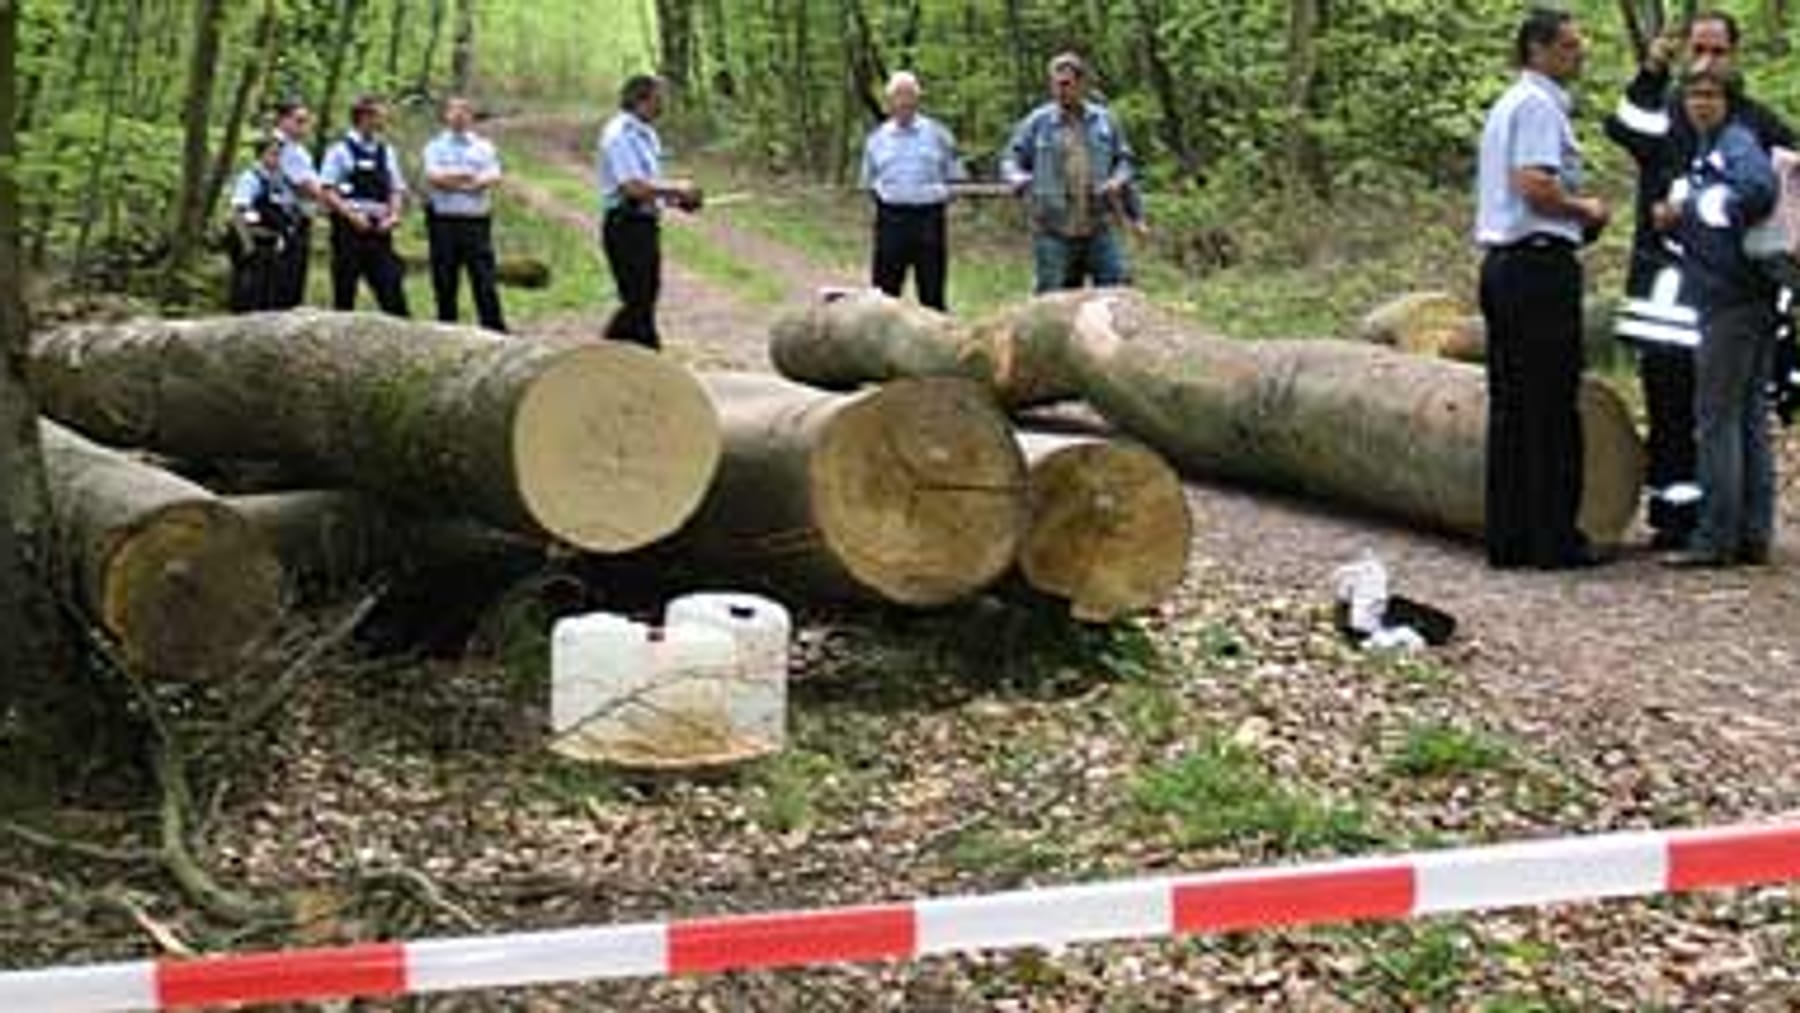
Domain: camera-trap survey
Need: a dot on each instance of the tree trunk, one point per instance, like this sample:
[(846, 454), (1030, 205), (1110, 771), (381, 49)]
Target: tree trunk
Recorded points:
[(348, 14), (190, 200), (396, 32), (1110, 530), (675, 36), (605, 446), (250, 84), (30, 649), (428, 60), (1305, 157), (868, 337), (1148, 21), (914, 493), (462, 48), (171, 573), (1398, 435)]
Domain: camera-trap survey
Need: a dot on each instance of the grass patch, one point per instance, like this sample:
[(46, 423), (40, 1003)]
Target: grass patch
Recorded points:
[(789, 789), (1222, 794), (1150, 712), (1442, 750), (1413, 967), (1009, 854)]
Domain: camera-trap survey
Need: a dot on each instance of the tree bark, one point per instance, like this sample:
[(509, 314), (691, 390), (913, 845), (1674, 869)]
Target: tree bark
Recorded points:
[(1398, 435), (868, 337), (177, 579), (30, 645), (348, 14), (190, 200), (1306, 19), (1110, 530), (605, 446), (428, 60), (462, 48), (914, 493), (251, 82), (675, 38)]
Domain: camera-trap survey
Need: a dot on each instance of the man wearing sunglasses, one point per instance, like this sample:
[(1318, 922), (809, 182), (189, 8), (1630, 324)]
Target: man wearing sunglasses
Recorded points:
[(1658, 316)]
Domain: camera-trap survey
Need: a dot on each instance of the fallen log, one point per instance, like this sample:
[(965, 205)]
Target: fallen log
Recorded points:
[(1395, 434), (170, 572), (913, 493), (509, 271), (1110, 529), (605, 446), (849, 339), (1442, 325)]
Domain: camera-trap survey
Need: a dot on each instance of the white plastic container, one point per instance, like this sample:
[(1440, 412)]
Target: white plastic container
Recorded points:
[(644, 697), (761, 628)]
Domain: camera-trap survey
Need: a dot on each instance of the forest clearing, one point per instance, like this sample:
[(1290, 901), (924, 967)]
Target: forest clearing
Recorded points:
[(331, 724)]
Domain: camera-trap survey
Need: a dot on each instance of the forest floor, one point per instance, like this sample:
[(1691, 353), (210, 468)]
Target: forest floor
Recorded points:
[(989, 747)]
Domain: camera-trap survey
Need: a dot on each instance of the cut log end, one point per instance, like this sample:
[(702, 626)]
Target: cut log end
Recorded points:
[(189, 590), (1110, 528), (919, 489), (1612, 464), (624, 421)]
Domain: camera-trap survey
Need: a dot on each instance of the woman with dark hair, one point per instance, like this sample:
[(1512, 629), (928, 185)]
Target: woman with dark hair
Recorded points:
[(1729, 186)]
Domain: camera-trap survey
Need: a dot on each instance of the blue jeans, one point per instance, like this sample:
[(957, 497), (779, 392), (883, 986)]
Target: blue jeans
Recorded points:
[(1731, 409), (1060, 262)]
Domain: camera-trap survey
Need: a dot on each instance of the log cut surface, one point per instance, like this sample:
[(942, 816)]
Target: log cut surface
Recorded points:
[(606, 446), (175, 576)]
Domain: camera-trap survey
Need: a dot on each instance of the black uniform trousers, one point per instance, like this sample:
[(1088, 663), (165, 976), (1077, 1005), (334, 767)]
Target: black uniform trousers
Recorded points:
[(633, 245), (359, 255), (459, 244), (1667, 373), (911, 237), (257, 277), (1531, 300), (291, 265)]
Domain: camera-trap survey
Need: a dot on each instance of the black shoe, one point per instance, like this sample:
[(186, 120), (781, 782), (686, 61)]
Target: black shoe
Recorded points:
[(1668, 539), (1754, 554)]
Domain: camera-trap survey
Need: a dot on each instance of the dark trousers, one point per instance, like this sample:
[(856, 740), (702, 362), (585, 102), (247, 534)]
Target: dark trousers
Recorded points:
[(1531, 300), (359, 255), (911, 237), (1668, 379), (459, 244), (1731, 411), (290, 268), (633, 244), (256, 279)]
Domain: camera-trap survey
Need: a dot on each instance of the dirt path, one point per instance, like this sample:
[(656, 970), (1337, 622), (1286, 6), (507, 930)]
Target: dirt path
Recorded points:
[(1710, 658), (703, 323)]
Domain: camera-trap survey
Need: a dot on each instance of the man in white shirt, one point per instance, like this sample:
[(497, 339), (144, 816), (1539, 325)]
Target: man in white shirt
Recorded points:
[(462, 169), (909, 163)]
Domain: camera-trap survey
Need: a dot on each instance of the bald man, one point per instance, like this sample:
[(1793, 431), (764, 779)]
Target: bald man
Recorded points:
[(909, 163)]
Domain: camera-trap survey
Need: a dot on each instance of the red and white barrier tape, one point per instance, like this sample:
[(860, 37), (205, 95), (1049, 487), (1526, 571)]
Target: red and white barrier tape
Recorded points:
[(1514, 875)]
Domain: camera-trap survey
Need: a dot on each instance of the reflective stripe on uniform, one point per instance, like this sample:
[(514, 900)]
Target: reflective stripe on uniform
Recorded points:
[(1652, 333), (1637, 119)]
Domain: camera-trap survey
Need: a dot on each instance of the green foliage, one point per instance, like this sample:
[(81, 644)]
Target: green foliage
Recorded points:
[(1439, 750), (1221, 794)]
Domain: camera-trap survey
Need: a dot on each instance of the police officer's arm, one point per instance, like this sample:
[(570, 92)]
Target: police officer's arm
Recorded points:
[(336, 167), (1545, 194), (441, 175), (1535, 152), (396, 205)]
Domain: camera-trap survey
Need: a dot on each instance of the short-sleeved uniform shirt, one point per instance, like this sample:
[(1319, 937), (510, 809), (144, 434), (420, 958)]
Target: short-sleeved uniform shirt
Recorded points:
[(629, 151), (454, 152), (1527, 128)]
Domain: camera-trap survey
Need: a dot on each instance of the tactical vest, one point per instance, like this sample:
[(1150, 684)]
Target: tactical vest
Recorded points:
[(271, 214), (368, 181)]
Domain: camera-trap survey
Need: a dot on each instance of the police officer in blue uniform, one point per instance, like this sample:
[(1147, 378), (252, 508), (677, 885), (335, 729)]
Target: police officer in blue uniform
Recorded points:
[(365, 173), (264, 222), (462, 169), (632, 194), (292, 122)]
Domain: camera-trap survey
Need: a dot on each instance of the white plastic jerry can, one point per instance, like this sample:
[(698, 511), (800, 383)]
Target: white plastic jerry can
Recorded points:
[(756, 696)]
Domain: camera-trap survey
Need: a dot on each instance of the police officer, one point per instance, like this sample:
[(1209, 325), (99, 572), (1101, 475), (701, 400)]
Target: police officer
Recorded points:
[(1531, 217), (1659, 316), (292, 121), (462, 170), (264, 222), (365, 173), (1071, 160), (632, 192), (909, 163)]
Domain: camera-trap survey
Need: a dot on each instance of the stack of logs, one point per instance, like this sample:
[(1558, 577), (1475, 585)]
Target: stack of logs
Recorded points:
[(883, 465)]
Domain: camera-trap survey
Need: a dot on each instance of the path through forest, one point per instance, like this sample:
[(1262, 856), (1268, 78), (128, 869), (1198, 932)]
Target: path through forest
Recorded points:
[(1631, 650)]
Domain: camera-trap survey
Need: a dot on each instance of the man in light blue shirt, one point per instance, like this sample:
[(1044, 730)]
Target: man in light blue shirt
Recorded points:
[(263, 217), (1530, 218), (461, 169), (632, 192), (370, 195), (1070, 159), (292, 121), (908, 165)]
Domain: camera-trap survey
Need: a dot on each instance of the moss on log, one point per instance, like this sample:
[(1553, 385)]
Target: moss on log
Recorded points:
[(913, 493), (1394, 434), (1110, 529), (605, 446), (172, 574)]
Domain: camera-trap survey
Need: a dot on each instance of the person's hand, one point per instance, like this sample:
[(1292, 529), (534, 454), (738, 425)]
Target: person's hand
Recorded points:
[(359, 222), (1594, 213), (1112, 186), (1662, 51), (1664, 215)]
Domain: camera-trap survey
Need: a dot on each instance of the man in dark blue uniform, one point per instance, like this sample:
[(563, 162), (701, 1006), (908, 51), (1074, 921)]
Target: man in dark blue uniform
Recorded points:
[(365, 173)]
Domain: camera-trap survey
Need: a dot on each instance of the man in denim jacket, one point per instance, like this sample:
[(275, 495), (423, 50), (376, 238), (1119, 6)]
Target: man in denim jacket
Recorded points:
[(1071, 161)]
